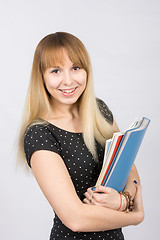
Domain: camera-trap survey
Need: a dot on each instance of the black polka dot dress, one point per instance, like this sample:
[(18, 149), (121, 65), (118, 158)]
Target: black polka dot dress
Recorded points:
[(80, 164)]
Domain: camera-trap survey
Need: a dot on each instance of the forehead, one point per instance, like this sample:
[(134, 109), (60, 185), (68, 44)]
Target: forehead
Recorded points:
[(60, 56)]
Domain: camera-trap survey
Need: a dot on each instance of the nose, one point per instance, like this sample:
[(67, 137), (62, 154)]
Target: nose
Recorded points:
[(67, 78)]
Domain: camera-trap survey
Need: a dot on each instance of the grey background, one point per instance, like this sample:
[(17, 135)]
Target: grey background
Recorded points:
[(123, 40)]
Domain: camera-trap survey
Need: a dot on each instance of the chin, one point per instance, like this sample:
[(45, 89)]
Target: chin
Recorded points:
[(69, 101)]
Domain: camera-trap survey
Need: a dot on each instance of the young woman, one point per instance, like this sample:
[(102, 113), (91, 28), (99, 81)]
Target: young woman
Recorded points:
[(63, 137)]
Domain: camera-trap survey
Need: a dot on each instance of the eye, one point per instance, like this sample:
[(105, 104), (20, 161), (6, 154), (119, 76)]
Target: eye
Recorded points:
[(55, 70), (75, 68)]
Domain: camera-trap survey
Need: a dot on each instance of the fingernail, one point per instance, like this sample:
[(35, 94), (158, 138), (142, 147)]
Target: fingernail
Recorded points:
[(135, 181), (93, 188)]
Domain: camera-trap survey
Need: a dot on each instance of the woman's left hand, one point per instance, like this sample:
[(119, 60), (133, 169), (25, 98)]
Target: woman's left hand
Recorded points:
[(103, 196)]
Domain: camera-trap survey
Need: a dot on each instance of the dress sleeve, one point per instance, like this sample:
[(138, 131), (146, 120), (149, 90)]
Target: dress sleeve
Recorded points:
[(105, 111), (39, 137)]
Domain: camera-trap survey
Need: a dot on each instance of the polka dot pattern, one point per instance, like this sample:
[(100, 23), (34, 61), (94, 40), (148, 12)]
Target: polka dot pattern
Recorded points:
[(80, 164), (63, 232)]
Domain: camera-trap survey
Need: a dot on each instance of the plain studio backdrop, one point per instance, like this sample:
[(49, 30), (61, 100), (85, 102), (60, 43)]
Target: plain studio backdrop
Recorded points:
[(123, 41)]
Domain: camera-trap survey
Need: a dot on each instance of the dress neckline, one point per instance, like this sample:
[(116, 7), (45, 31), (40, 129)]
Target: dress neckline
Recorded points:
[(60, 129)]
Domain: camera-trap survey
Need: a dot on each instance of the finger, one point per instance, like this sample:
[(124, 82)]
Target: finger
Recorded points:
[(139, 192), (99, 198), (88, 201), (94, 202), (100, 189), (88, 195), (138, 202), (103, 189), (138, 188), (89, 191), (85, 200)]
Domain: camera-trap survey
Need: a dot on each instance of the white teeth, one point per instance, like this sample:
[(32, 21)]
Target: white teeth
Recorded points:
[(68, 91)]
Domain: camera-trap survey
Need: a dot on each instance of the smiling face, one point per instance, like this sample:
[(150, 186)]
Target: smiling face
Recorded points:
[(65, 82)]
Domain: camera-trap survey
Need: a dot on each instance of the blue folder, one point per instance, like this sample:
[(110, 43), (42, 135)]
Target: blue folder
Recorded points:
[(125, 156)]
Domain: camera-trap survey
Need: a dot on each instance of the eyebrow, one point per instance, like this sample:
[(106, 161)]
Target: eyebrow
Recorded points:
[(74, 64), (55, 67)]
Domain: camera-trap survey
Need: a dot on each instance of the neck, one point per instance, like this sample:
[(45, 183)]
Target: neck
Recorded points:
[(59, 110)]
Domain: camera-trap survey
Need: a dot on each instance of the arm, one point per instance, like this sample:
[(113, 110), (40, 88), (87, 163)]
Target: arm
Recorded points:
[(55, 182)]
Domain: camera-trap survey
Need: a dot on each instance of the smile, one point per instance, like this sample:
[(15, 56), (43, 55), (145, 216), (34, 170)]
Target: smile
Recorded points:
[(68, 90)]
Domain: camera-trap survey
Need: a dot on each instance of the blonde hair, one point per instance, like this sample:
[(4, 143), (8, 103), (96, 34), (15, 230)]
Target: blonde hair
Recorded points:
[(48, 53)]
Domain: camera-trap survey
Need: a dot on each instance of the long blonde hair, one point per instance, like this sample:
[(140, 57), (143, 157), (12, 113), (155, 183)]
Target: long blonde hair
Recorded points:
[(48, 53)]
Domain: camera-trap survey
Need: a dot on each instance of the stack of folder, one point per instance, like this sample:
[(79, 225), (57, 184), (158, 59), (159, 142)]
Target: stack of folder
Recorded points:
[(120, 154)]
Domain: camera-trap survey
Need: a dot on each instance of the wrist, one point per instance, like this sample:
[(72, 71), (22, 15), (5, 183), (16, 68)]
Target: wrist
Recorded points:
[(128, 202), (124, 203)]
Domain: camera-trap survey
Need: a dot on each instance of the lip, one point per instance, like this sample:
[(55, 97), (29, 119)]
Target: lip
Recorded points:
[(68, 91)]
